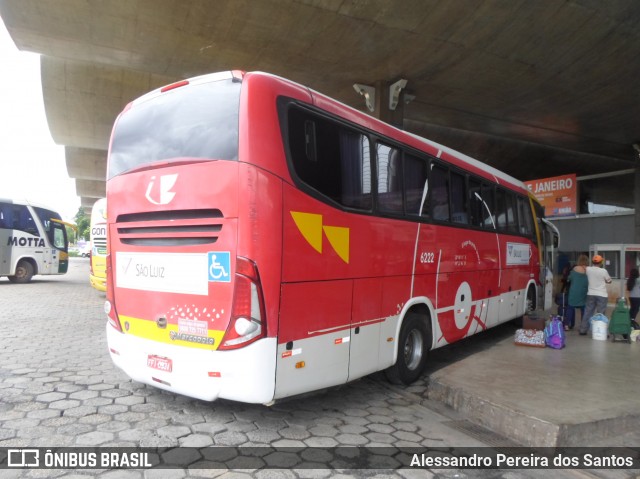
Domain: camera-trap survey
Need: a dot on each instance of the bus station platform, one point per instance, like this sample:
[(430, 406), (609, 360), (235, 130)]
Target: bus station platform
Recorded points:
[(583, 395)]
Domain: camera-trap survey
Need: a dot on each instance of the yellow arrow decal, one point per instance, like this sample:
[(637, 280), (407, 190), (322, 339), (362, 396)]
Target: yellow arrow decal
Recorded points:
[(310, 225), (339, 239)]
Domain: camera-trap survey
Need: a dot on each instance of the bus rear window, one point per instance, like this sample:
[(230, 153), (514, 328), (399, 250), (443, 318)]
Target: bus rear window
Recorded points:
[(195, 121)]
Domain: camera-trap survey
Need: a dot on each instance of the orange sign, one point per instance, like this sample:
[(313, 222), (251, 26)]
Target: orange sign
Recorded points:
[(558, 194)]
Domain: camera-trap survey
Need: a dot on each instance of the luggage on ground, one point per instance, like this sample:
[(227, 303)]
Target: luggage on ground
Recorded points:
[(530, 337), (554, 333), (620, 324)]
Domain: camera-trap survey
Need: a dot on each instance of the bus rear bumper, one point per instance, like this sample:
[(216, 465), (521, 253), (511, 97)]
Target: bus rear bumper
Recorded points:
[(99, 283), (246, 374)]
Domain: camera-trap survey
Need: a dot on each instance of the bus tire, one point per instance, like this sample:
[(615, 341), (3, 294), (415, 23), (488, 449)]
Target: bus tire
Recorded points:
[(413, 350), (531, 300), (529, 306), (24, 272)]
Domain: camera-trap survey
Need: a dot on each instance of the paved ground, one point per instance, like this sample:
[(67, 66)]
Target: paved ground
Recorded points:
[(58, 387)]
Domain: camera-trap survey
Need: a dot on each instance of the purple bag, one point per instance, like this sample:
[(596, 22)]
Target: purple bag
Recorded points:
[(554, 333)]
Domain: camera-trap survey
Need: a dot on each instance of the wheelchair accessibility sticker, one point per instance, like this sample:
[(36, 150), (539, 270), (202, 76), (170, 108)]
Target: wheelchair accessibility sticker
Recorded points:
[(219, 266)]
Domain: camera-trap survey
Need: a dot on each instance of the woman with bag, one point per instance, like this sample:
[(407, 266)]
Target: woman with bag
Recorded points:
[(578, 287)]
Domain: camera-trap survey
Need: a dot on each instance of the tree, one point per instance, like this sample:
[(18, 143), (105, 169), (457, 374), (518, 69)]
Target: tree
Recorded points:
[(71, 235), (83, 222)]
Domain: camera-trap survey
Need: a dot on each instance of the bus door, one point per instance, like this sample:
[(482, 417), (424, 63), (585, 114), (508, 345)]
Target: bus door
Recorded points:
[(55, 255), (550, 240), (51, 260), (50, 255)]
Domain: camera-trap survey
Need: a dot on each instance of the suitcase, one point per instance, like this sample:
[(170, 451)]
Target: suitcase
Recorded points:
[(620, 323), (530, 337), (533, 322)]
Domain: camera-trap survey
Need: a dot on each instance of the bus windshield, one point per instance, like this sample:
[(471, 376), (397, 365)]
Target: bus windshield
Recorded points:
[(56, 232), (197, 122)]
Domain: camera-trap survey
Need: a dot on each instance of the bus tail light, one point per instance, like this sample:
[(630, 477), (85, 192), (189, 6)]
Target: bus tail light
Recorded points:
[(109, 305), (247, 322)]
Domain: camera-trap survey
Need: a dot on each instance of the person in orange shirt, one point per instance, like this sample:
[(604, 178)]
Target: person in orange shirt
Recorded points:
[(597, 295)]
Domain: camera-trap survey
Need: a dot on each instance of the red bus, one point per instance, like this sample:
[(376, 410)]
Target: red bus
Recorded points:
[(266, 240)]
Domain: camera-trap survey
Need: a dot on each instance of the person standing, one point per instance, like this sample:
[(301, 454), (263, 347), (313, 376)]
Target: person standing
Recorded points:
[(564, 280), (597, 296), (633, 286), (578, 285)]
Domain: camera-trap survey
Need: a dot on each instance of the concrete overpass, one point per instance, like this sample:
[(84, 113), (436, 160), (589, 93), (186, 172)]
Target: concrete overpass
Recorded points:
[(536, 89)]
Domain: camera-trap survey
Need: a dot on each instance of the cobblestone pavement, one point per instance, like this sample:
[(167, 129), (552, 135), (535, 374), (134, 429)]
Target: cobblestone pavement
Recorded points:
[(58, 387)]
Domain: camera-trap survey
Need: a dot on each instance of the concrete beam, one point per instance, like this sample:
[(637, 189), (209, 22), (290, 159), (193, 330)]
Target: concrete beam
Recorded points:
[(489, 81), (86, 164), (91, 188), (82, 100)]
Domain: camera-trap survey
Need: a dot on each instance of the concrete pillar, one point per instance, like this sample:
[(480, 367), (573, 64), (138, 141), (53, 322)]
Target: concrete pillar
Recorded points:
[(385, 100), (384, 92), (87, 204)]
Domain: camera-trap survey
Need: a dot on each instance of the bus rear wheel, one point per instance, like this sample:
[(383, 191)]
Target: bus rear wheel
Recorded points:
[(413, 350), (24, 273)]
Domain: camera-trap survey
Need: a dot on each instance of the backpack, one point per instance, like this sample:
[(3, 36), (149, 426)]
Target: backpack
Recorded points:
[(554, 333)]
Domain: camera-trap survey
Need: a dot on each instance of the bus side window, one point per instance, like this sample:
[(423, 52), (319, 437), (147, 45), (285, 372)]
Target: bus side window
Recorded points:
[(389, 179), (310, 140), (3, 213), (475, 204), (458, 199), (524, 216), (489, 217), (501, 209), (415, 183), (439, 193), (355, 163), (330, 158), (23, 221), (512, 211)]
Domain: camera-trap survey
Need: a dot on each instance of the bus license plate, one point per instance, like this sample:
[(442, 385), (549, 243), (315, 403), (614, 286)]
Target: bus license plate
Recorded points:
[(160, 363)]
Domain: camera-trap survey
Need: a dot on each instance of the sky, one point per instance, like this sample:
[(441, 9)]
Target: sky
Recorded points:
[(32, 166)]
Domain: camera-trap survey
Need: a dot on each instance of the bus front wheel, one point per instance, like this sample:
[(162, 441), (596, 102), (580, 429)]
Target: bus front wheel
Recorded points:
[(413, 349), (24, 273), (531, 300)]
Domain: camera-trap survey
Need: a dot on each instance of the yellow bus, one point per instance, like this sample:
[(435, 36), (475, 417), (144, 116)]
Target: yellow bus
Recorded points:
[(98, 256)]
